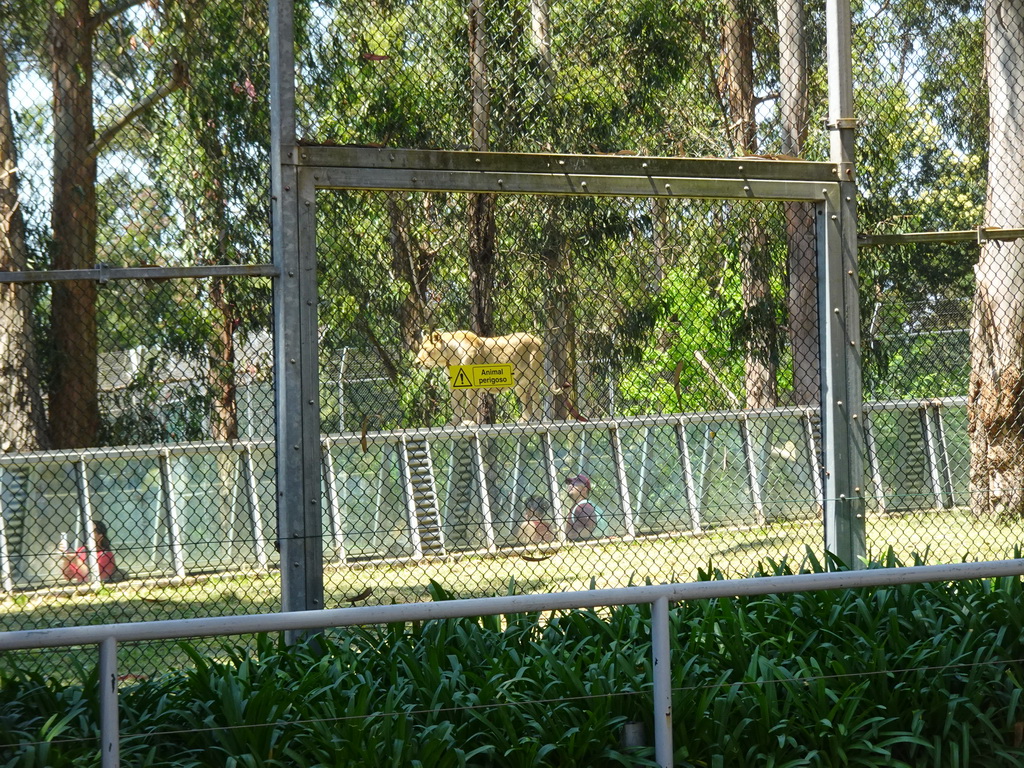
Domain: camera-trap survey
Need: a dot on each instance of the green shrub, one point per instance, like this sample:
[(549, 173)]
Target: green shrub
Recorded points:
[(917, 675)]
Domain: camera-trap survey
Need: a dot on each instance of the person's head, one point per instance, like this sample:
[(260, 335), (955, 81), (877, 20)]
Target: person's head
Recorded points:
[(99, 535), (536, 508), (578, 486)]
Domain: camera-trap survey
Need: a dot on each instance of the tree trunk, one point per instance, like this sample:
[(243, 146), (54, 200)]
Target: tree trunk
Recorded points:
[(560, 319), (482, 229), (413, 261), (802, 257), (996, 394), (22, 425), (74, 409), (758, 306)]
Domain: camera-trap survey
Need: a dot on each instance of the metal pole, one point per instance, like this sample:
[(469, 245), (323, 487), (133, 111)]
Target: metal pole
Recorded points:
[(751, 446), (110, 736), (485, 500), (842, 403), (333, 504), (6, 580), (85, 510), (410, 500), (170, 508), (623, 478), (662, 672), (296, 393), (255, 519)]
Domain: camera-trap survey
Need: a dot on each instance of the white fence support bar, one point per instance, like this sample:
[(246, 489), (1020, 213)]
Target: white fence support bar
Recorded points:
[(661, 653), (170, 510), (623, 478), (110, 729)]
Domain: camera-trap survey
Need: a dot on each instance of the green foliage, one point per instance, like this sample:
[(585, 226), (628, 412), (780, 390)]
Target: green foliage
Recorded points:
[(897, 676)]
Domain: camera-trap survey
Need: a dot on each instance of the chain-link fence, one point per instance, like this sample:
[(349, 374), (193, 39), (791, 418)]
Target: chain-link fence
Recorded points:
[(517, 391)]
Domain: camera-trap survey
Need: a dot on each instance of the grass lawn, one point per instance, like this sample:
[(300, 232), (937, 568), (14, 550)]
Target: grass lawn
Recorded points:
[(951, 536)]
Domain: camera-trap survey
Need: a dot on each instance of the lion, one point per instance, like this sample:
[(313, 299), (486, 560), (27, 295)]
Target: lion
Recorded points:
[(523, 350)]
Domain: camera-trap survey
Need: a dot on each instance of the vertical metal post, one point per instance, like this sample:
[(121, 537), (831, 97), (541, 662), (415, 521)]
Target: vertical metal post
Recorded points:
[(841, 398), (296, 391), (812, 459), (752, 464), (938, 461), (6, 572), (708, 445), (691, 492), (485, 496), (410, 501), (85, 511), (662, 671), (874, 467), (946, 472), (333, 504), (623, 478), (554, 488), (839, 311), (110, 731), (253, 497), (645, 449), (170, 510)]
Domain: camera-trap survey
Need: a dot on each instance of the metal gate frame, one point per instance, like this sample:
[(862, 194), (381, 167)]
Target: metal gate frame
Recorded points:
[(298, 171)]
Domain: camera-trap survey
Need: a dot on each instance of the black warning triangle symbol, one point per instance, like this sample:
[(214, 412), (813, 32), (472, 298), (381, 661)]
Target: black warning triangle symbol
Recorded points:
[(462, 380)]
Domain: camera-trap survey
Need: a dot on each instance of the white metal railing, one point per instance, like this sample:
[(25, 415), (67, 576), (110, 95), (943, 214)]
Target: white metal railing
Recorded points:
[(256, 506), (107, 637)]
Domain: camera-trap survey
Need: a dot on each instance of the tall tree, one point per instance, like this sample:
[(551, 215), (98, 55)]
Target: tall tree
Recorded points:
[(996, 395), (758, 327), (481, 206), (22, 423), (72, 32), (802, 257)]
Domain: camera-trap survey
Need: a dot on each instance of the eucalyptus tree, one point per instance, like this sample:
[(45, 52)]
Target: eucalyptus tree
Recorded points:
[(996, 397), (22, 425), (75, 29)]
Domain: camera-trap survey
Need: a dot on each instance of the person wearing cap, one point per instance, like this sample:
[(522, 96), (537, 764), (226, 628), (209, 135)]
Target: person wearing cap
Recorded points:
[(584, 520)]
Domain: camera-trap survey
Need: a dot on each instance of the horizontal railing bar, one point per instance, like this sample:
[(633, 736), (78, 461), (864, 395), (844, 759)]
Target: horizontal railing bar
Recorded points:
[(979, 235), (482, 430), (102, 273), (753, 167), (554, 183), (906, 405), (56, 637)]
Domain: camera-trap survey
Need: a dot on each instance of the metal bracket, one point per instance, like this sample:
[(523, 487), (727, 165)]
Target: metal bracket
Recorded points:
[(841, 123)]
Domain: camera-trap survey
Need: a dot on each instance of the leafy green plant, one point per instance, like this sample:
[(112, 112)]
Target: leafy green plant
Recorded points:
[(909, 675)]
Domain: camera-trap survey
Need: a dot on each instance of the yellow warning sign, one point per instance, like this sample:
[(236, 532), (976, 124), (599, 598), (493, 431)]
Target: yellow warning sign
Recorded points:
[(481, 376)]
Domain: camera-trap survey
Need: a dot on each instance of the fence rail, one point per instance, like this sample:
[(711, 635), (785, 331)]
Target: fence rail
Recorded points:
[(245, 533)]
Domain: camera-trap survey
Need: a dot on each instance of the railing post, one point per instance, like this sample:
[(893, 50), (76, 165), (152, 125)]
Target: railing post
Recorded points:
[(623, 478), (662, 670), (751, 456), (485, 497), (410, 501), (554, 488), (110, 735), (170, 509), (249, 478), (842, 401), (85, 511), (688, 483), (333, 503)]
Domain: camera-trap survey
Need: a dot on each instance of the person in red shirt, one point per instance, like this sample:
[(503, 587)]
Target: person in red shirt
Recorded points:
[(75, 565)]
